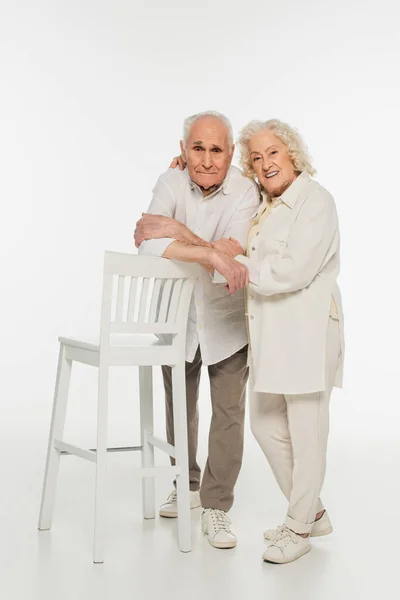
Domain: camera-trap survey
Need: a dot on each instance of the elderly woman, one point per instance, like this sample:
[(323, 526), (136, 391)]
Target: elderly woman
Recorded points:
[(295, 326)]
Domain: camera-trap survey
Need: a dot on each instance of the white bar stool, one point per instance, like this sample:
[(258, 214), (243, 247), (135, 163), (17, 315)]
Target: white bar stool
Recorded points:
[(142, 296)]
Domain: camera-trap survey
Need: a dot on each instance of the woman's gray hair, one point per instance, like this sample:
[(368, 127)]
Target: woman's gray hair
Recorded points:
[(296, 148), (189, 122)]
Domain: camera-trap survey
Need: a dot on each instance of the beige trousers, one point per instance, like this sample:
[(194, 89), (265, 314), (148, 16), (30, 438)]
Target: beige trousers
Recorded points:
[(292, 431), (228, 380)]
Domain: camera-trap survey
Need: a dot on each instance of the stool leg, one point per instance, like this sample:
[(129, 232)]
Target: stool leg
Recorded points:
[(181, 450), (56, 433), (146, 429), (101, 465)]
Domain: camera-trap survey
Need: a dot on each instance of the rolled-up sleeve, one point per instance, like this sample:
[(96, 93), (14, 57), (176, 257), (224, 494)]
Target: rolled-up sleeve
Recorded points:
[(163, 203), (155, 247), (307, 246)]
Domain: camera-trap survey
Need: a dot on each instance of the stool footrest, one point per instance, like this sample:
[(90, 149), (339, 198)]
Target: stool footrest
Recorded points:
[(153, 471), (161, 445), (65, 448), (113, 449)]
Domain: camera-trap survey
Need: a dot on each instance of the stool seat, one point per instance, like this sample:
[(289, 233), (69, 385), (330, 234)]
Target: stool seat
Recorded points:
[(140, 340)]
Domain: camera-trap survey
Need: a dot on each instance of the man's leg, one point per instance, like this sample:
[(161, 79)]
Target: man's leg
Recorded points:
[(228, 380), (193, 371)]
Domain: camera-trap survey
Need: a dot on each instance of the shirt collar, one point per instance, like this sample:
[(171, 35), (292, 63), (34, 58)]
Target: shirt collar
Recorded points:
[(226, 187), (289, 197)]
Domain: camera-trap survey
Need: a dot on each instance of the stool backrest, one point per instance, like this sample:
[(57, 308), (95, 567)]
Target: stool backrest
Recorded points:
[(145, 294)]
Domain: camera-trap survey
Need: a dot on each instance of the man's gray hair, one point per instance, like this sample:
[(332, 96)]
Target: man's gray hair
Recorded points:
[(189, 122)]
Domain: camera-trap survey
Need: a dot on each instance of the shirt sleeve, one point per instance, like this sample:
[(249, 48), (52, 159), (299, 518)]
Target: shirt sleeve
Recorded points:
[(307, 248), (163, 203), (241, 220)]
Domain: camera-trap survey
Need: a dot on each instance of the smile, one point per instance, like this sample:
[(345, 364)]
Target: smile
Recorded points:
[(272, 174)]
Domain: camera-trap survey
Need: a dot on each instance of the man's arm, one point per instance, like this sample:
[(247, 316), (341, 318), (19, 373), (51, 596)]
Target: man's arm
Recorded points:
[(158, 227), (155, 226), (163, 203), (193, 248), (190, 253), (236, 275)]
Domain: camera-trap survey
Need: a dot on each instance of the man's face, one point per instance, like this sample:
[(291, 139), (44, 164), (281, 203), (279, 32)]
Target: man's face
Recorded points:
[(207, 153)]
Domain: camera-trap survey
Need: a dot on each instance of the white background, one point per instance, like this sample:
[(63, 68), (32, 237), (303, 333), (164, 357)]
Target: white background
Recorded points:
[(92, 99)]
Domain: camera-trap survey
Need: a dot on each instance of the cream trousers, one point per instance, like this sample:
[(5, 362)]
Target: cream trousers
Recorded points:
[(292, 431)]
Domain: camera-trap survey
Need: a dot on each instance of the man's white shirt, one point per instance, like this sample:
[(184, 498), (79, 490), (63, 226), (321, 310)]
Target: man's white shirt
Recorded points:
[(216, 318)]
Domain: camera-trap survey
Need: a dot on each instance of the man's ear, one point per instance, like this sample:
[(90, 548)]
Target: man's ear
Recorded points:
[(183, 152), (232, 151)]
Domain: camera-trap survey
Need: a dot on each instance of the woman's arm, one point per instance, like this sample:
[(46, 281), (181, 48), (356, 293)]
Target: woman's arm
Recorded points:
[(308, 244)]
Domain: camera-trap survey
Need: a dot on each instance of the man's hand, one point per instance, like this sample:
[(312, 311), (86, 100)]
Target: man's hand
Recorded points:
[(178, 162), (151, 227), (236, 274), (230, 247)]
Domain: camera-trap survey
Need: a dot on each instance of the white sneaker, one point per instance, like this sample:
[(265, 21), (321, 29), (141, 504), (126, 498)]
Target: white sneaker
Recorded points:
[(287, 547), (216, 525), (321, 527), (170, 508)]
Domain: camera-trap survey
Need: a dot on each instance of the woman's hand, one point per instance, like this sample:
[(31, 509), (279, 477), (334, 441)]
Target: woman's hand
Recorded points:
[(230, 247), (151, 227), (178, 162), (236, 274)]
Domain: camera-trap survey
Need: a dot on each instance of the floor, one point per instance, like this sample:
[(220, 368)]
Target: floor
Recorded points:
[(359, 560)]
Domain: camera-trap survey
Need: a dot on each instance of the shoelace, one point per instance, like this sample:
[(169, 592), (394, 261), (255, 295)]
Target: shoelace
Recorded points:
[(279, 529), (173, 496), (285, 537), (220, 520)]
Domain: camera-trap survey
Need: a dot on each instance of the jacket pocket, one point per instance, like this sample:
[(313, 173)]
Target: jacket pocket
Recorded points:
[(273, 245), (279, 241)]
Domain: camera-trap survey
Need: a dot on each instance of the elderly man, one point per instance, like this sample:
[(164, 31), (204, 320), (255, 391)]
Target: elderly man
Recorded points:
[(191, 210)]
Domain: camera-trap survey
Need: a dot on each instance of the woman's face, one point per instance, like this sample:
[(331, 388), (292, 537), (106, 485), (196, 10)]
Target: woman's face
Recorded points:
[(271, 163)]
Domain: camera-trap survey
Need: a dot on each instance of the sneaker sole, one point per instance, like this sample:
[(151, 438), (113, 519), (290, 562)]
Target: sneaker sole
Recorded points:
[(220, 545), (174, 515), (168, 515), (284, 562)]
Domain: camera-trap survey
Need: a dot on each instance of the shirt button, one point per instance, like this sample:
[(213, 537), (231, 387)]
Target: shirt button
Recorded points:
[(251, 317), (253, 248), (251, 297), (282, 243), (258, 233)]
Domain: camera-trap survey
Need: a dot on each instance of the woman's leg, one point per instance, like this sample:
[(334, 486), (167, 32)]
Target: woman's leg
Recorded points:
[(308, 418), (269, 425)]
